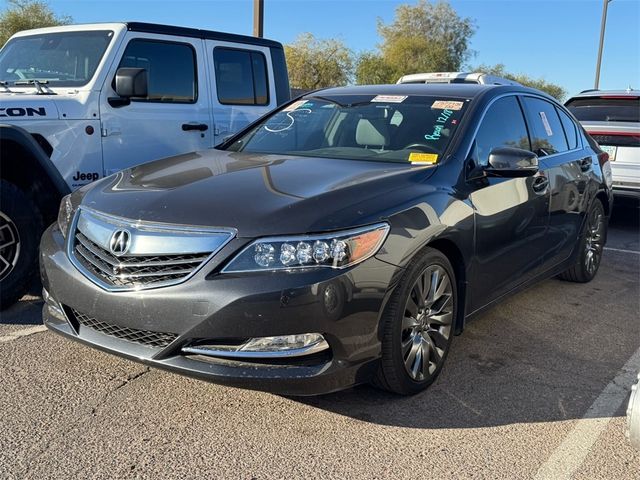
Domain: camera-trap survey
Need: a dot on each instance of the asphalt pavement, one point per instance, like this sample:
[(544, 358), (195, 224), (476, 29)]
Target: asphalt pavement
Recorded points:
[(535, 388)]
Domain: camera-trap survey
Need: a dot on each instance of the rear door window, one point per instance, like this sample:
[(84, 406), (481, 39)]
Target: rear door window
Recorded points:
[(547, 134), (569, 129), (241, 77), (503, 125)]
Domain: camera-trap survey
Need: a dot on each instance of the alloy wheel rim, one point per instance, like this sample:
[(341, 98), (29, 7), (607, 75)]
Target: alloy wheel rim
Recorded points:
[(594, 242), (426, 324), (9, 246)]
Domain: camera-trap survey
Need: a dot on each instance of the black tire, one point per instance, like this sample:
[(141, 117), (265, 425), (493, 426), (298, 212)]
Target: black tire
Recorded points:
[(591, 245), (21, 218), (395, 373)]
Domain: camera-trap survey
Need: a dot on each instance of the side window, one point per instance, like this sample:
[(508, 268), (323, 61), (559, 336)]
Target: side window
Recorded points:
[(569, 129), (241, 77), (171, 69), (502, 126), (547, 134)]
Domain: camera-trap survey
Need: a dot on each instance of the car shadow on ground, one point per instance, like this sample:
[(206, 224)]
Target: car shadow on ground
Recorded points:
[(28, 310)]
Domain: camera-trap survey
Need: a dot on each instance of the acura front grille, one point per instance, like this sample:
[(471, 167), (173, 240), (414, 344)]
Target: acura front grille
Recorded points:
[(134, 271), (120, 254)]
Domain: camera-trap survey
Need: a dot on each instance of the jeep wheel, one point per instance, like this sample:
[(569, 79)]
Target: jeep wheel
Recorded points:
[(20, 230)]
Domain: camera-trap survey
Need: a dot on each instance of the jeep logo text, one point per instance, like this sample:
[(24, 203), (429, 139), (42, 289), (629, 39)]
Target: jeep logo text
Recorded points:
[(23, 112), (91, 176)]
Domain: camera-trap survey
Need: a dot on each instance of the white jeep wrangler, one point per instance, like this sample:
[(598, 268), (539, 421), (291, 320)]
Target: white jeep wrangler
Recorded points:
[(81, 102)]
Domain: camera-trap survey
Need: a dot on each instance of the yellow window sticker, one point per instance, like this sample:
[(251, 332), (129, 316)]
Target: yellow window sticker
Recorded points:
[(423, 158), (447, 105)]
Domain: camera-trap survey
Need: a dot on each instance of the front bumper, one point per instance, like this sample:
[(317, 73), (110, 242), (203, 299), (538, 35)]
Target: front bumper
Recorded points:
[(226, 308)]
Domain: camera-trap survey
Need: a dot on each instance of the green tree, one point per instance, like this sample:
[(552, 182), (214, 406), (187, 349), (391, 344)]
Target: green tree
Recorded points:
[(315, 63), (25, 14), (541, 84), (425, 37)]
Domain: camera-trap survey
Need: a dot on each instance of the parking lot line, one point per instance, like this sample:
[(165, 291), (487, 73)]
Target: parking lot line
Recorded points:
[(571, 453), (22, 333), (621, 250)]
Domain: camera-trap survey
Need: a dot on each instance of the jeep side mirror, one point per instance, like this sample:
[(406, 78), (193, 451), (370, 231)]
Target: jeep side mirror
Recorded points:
[(511, 162), (131, 82)]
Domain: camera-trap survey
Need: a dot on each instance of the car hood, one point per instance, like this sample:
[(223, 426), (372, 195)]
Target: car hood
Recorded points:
[(257, 194)]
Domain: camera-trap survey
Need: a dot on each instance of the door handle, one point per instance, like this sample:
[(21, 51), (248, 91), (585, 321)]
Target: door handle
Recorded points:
[(202, 127), (540, 184), (585, 164)]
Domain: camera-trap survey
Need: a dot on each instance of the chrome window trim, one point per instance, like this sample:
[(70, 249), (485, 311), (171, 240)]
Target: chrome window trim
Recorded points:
[(519, 94), (167, 228)]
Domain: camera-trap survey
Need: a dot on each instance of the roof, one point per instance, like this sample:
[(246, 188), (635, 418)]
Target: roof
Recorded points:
[(198, 33), (158, 29), (465, 90)]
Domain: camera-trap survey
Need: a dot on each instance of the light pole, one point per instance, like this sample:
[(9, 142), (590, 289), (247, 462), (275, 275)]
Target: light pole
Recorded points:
[(258, 18), (602, 26)]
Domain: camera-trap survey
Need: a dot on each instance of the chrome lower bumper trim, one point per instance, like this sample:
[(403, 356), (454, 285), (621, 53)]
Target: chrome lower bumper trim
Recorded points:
[(225, 351)]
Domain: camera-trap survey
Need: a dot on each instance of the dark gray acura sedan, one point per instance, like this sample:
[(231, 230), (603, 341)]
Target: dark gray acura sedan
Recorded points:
[(344, 238)]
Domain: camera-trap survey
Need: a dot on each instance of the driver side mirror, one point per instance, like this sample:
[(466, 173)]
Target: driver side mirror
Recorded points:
[(131, 82), (511, 163)]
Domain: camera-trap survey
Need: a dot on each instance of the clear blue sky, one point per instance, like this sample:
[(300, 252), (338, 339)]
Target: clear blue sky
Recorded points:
[(553, 39)]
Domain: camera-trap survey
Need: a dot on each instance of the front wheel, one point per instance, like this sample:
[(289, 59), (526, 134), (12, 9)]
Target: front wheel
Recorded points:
[(590, 247), (20, 230), (418, 325)]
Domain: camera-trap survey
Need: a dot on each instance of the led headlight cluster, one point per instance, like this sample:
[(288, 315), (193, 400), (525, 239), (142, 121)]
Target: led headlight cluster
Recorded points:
[(337, 250)]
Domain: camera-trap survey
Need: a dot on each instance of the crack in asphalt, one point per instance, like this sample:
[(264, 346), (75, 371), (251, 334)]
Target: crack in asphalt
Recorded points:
[(79, 420)]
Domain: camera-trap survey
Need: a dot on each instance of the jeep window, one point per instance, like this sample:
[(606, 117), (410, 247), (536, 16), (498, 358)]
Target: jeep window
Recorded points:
[(241, 77), (171, 69), (360, 127), (65, 59), (605, 109)]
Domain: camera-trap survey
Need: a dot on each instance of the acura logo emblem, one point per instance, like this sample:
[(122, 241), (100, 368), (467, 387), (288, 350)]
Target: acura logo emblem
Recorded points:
[(120, 241)]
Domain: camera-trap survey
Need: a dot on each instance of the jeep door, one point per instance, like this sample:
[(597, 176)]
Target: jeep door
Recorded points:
[(242, 85), (174, 118)]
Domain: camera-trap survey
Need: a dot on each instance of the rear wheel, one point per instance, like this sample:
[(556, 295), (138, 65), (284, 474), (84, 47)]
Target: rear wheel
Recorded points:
[(591, 246), (20, 230), (418, 325)]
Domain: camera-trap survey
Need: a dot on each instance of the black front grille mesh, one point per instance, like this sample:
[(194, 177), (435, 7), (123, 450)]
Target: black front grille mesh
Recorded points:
[(143, 337)]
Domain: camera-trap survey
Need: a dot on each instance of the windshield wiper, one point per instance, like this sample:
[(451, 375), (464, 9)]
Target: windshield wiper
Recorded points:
[(5, 85), (38, 84)]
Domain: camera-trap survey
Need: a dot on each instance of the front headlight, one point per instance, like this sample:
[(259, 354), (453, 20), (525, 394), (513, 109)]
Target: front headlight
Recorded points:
[(65, 214), (334, 250)]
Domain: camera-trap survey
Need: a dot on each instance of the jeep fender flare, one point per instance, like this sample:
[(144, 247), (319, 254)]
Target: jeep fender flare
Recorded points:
[(26, 141)]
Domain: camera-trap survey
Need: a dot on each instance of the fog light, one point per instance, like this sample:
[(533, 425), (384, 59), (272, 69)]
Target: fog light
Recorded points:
[(53, 307), (265, 347), (278, 344)]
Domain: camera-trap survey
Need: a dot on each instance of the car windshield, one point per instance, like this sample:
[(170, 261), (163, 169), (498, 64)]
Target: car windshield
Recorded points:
[(603, 109), (66, 59), (389, 128)]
